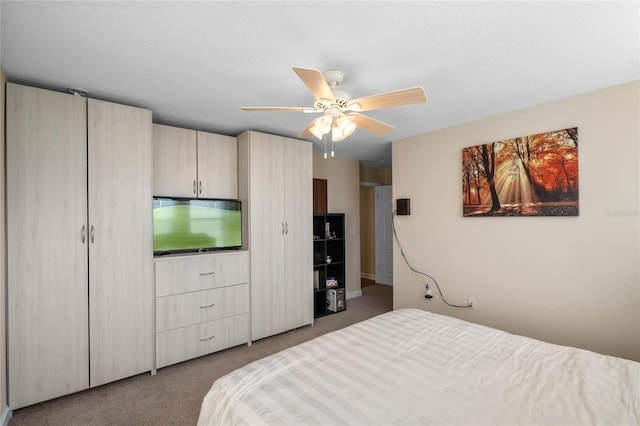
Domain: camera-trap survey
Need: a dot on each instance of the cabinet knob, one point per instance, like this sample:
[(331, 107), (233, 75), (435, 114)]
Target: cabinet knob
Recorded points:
[(194, 186), (208, 306), (208, 338), (83, 233), (199, 187), (202, 274), (91, 235)]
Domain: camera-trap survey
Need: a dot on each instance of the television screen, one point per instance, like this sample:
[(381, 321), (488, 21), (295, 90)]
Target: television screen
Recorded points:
[(181, 224)]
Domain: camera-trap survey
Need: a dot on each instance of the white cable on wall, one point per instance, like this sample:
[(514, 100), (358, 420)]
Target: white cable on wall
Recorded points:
[(418, 273)]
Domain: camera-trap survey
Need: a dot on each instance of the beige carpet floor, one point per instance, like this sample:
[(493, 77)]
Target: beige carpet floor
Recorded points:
[(173, 396)]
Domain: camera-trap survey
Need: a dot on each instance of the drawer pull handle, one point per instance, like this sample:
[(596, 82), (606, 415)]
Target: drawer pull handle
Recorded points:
[(202, 274), (208, 306), (208, 338)]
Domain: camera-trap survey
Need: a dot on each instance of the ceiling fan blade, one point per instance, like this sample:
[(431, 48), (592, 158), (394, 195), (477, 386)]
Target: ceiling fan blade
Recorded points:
[(370, 124), (281, 109), (413, 95), (307, 131), (315, 82)]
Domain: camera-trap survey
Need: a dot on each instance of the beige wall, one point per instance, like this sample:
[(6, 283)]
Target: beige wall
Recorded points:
[(367, 232), (568, 280), (343, 196)]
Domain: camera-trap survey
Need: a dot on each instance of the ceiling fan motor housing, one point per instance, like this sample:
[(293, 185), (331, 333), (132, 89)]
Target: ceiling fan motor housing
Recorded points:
[(333, 77)]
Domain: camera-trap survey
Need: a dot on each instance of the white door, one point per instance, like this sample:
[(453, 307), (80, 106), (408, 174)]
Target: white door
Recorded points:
[(384, 235), (48, 347), (120, 241)]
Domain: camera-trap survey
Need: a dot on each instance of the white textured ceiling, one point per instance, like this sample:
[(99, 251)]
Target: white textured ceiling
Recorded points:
[(194, 64)]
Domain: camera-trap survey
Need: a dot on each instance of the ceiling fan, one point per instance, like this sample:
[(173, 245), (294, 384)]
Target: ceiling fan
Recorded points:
[(341, 115)]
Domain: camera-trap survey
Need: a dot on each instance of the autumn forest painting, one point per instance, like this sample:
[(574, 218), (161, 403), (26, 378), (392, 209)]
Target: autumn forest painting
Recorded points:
[(533, 175)]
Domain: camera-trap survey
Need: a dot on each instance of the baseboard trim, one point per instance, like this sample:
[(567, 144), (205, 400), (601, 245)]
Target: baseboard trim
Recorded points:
[(354, 294), (6, 416), (368, 276)]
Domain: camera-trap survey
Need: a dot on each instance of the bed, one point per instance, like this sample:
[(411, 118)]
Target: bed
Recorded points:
[(412, 367)]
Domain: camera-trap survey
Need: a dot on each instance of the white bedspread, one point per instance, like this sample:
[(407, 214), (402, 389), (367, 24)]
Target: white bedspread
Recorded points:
[(411, 367)]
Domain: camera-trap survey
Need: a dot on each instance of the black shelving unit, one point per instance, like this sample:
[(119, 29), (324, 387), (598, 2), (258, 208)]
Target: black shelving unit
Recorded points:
[(329, 264)]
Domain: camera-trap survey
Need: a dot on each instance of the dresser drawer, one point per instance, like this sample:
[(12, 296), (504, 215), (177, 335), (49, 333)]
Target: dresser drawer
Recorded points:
[(181, 310), (192, 273), (196, 340)]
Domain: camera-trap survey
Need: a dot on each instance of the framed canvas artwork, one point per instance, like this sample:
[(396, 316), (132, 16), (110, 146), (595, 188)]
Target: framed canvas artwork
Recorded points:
[(534, 175)]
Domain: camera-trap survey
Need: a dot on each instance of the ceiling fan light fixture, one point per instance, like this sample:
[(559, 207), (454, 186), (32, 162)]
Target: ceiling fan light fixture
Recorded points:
[(337, 135), (344, 128), (321, 126)]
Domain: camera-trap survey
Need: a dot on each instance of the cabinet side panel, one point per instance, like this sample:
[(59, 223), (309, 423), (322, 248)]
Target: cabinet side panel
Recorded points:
[(47, 259), (298, 254), (121, 242), (244, 174)]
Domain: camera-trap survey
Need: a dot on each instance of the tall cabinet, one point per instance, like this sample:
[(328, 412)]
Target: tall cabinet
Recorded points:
[(79, 243), (275, 185)]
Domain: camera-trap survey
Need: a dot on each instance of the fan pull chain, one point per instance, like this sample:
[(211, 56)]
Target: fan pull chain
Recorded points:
[(325, 146)]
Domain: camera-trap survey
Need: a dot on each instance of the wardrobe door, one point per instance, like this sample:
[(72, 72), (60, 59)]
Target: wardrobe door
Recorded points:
[(46, 244), (120, 241), (298, 214), (267, 229)]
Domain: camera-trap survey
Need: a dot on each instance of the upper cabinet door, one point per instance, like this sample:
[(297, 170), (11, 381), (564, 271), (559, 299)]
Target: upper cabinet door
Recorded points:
[(48, 350), (174, 162), (217, 166), (120, 241)]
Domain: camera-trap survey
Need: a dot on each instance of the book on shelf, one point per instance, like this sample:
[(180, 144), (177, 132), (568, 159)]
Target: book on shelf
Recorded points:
[(332, 282), (335, 299)]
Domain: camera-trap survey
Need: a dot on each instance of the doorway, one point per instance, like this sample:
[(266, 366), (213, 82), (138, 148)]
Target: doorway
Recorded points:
[(384, 234)]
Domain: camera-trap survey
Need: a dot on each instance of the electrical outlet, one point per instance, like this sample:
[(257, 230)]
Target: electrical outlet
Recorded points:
[(472, 302)]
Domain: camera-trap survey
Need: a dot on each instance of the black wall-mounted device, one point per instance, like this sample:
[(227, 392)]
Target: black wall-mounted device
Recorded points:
[(403, 206)]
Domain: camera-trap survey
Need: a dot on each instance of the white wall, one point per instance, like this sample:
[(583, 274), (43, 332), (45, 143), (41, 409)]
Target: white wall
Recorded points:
[(343, 196), (567, 280)]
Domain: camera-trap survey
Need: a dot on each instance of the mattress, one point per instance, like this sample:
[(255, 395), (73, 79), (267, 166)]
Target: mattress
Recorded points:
[(411, 367)]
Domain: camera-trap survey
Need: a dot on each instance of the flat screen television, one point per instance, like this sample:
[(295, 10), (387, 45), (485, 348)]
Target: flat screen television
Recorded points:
[(192, 225)]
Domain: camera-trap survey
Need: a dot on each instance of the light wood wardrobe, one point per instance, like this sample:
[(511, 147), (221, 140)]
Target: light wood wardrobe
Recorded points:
[(276, 186), (79, 243)]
